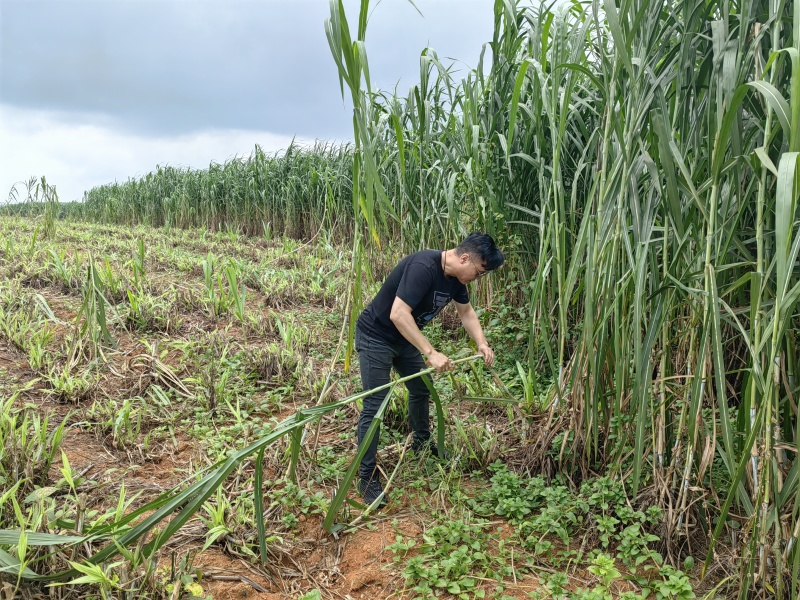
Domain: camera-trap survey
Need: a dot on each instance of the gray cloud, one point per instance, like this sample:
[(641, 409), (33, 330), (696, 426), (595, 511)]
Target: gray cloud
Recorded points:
[(176, 67)]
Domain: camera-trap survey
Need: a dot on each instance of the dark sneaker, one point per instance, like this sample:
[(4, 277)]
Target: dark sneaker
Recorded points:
[(371, 490), (419, 447)]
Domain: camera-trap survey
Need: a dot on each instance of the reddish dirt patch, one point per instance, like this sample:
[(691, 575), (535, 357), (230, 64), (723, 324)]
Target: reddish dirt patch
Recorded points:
[(365, 561), (218, 569), (13, 364)]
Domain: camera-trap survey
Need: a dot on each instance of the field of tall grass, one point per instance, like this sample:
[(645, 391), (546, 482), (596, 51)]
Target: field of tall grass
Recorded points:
[(638, 160), (173, 418)]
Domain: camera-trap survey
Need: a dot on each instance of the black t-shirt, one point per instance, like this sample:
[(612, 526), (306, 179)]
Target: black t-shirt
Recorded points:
[(419, 281)]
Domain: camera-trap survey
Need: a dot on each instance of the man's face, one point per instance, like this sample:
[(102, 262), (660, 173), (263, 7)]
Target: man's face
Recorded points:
[(470, 268)]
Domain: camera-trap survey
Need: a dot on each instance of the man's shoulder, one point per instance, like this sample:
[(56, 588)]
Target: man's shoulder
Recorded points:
[(419, 267), (424, 257)]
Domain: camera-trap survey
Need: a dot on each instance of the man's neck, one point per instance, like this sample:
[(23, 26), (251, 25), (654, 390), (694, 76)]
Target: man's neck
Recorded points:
[(447, 255)]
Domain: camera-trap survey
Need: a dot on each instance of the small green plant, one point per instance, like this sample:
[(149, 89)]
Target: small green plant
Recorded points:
[(20, 326), (236, 292), (606, 526), (31, 446), (102, 577), (556, 584), (182, 580), (91, 322), (68, 386), (560, 515), (674, 585), (38, 356), (330, 462), (123, 422), (293, 499), (113, 284), (509, 495), (215, 518), (10, 249), (147, 313), (59, 267), (604, 568), (67, 473), (216, 298), (295, 336), (65, 272)]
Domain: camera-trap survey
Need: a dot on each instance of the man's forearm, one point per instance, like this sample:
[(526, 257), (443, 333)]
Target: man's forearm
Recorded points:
[(408, 329), (473, 327)]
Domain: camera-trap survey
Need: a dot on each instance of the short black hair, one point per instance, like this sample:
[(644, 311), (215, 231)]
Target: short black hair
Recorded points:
[(482, 246)]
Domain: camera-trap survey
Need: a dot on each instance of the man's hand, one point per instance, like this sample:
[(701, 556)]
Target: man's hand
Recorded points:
[(439, 361), (488, 354)]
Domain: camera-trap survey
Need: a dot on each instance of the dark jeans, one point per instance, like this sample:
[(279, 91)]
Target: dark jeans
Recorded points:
[(376, 358)]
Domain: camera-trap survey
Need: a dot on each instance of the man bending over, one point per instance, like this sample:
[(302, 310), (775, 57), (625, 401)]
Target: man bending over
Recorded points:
[(388, 334)]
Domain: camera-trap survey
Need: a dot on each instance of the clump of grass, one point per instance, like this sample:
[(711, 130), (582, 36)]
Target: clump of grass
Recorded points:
[(31, 446), (119, 422), (148, 313), (71, 385)]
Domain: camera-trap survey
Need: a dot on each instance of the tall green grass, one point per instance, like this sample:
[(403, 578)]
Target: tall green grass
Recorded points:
[(292, 193), (646, 153)]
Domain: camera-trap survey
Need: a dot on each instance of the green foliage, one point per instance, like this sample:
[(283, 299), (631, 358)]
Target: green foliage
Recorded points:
[(26, 322), (291, 192), (137, 264), (215, 518), (122, 421), (31, 445), (548, 520), (293, 499), (218, 371), (604, 568), (330, 463), (215, 296), (65, 271), (147, 313), (454, 557), (92, 325), (674, 586), (641, 156), (236, 292), (180, 581), (40, 201), (169, 384), (71, 385), (510, 495), (102, 577)]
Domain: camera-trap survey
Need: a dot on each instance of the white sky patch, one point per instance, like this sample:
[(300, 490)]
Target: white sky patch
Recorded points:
[(77, 155)]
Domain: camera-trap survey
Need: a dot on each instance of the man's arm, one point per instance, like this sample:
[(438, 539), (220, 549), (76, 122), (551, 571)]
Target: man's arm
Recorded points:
[(404, 321), (473, 326)]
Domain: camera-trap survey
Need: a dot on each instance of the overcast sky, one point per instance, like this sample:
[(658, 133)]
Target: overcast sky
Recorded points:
[(93, 91)]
